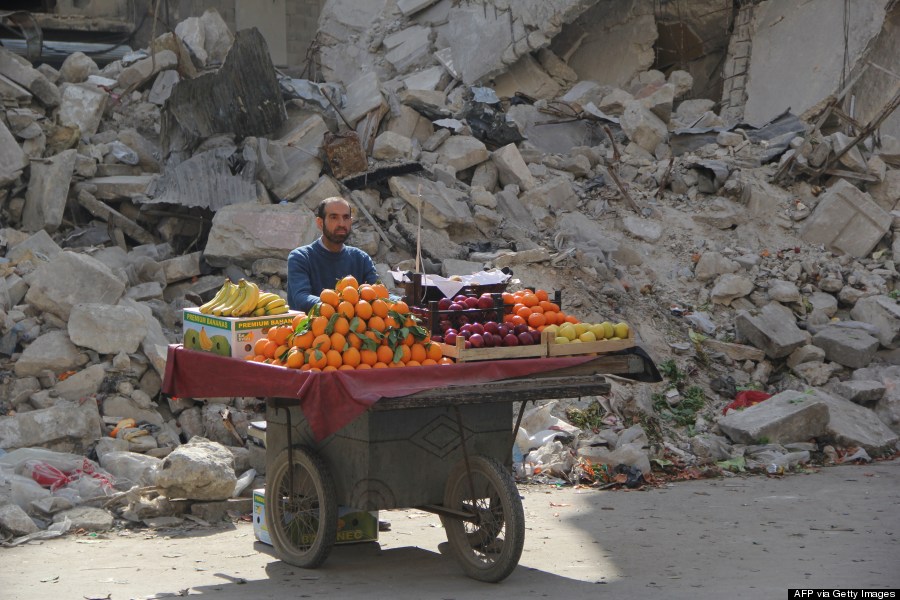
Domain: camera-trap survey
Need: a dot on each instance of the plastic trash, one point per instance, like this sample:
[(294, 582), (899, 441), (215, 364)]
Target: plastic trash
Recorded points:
[(701, 321), (243, 481), (123, 153), (633, 476)]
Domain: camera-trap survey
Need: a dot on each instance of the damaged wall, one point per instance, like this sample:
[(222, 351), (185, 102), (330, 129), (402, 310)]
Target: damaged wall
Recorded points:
[(793, 65), (881, 87)]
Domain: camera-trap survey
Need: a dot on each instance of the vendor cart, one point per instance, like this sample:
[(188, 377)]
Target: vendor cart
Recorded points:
[(435, 438)]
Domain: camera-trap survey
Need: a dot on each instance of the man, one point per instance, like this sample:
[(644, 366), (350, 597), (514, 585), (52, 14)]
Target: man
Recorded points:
[(321, 264)]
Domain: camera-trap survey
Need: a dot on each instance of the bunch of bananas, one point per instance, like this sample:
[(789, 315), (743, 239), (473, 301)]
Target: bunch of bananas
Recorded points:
[(270, 304), (243, 299)]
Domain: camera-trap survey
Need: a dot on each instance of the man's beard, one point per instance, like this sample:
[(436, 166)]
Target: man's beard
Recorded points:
[(335, 237)]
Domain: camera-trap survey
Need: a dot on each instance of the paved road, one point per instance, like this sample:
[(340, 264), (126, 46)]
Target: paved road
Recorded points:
[(751, 537)]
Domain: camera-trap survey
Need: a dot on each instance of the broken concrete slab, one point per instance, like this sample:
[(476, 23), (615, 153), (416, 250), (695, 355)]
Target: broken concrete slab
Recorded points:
[(784, 418), (852, 348), (729, 287), (528, 77), (846, 220), (40, 245), (19, 70), (643, 229), (739, 352), (435, 243), (285, 170), (106, 329), (48, 188), (71, 278), (244, 233), (443, 207), (65, 427), (408, 47), (363, 96), (884, 313), (114, 218), (12, 160), (511, 168), (82, 106), (643, 127), (162, 86), (713, 264), (553, 138), (850, 424), (555, 194), (392, 146), (863, 392), (53, 351), (462, 152), (774, 330)]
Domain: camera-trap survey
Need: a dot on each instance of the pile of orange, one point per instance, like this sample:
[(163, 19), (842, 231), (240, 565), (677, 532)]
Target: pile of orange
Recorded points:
[(534, 308), (352, 327)]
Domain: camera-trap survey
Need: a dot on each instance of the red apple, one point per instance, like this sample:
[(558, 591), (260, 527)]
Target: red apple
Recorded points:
[(450, 337), (535, 335), (472, 302), (476, 340), (525, 339), (456, 306), (437, 339), (444, 303), (476, 328), (492, 327), (510, 340), (485, 302)]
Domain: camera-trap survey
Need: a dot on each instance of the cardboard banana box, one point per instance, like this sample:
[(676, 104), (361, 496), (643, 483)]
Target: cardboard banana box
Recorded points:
[(227, 336)]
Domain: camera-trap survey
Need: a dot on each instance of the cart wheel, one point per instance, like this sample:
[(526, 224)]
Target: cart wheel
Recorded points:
[(488, 548), (302, 521)]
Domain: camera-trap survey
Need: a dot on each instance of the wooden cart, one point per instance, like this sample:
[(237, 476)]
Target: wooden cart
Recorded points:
[(445, 450)]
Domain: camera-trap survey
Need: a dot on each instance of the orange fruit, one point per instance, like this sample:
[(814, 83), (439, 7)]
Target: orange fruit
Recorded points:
[(363, 366), (347, 281), (516, 320), (295, 322), (434, 351), (380, 308), (329, 296), (428, 362), (316, 359), (413, 363), (571, 319), (560, 318), (363, 310), (304, 340), (367, 292), (322, 343), (269, 349), (346, 309), (295, 359), (524, 312), (351, 357), (379, 365), (326, 310), (281, 351), (418, 352), (446, 360), (542, 295), (350, 294), (401, 307), (384, 354), (318, 325), (259, 348), (341, 325), (530, 300), (536, 319), (368, 357), (338, 341), (333, 358), (405, 354), (358, 325), (377, 323), (549, 317), (345, 368), (280, 334), (354, 341), (328, 368), (380, 290), (508, 298), (399, 363)]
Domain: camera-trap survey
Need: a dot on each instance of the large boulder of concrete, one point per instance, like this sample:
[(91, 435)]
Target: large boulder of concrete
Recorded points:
[(198, 470)]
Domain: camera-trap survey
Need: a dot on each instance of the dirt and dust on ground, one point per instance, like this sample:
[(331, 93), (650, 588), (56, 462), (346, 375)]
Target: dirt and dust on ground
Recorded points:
[(739, 537)]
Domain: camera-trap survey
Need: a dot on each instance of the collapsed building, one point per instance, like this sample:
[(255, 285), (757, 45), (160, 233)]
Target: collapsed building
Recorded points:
[(719, 174)]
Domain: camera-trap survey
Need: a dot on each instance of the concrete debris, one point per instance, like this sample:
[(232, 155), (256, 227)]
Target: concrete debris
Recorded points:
[(747, 243)]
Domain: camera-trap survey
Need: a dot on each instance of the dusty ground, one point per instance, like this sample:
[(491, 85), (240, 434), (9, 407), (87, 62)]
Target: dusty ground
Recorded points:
[(751, 537)]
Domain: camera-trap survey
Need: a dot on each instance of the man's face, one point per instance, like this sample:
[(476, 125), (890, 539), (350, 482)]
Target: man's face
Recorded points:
[(337, 224)]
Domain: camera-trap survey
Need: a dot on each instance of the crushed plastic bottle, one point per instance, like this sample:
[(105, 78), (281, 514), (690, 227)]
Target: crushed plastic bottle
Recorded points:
[(775, 469)]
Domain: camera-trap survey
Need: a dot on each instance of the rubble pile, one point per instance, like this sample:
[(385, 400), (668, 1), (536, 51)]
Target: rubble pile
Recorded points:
[(749, 258)]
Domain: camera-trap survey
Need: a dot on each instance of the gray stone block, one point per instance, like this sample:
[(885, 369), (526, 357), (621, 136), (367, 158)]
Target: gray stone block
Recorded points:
[(852, 348), (790, 416), (774, 330), (847, 220)]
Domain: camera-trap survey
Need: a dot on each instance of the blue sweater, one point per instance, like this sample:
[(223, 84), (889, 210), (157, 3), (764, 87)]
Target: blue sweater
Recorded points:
[(313, 268)]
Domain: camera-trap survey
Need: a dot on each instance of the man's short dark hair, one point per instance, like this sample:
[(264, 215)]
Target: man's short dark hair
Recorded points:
[(320, 209)]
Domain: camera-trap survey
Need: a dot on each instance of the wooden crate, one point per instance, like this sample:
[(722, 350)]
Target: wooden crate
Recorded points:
[(463, 354), (598, 347)]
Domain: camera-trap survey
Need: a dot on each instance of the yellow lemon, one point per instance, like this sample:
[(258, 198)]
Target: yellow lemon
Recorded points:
[(567, 330), (581, 328), (621, 330), (588, 336), (609, 329), (561, 340), (598, 330)]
